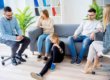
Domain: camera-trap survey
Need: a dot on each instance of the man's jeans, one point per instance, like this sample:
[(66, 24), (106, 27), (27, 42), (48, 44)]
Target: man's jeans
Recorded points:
[(86, 41)]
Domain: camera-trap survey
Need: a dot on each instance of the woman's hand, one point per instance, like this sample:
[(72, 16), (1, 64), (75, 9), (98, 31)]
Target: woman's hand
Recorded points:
[(100, 54)]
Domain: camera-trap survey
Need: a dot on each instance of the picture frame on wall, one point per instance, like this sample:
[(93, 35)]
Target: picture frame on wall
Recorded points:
[(1, 4)]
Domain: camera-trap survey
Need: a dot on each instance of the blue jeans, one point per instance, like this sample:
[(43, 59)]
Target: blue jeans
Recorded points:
[(41, 39), (86, 41)]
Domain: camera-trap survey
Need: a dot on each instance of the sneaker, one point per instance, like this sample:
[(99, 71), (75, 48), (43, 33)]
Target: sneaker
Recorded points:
[(36, 76), (78, 61), (53, 66), (73, 61), (39, 57), (45, 59), (14, 62), (20, 59)]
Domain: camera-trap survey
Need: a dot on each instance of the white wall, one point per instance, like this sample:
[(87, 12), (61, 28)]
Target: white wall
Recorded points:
[(14, 4), (74, 11)]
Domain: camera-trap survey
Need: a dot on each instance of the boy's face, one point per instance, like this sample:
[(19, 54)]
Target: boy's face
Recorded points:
[(91, 15)]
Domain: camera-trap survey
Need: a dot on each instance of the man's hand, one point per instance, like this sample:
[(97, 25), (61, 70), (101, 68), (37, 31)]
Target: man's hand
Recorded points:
[(19, 38), (100, 30), (75, 36), (92, 36)]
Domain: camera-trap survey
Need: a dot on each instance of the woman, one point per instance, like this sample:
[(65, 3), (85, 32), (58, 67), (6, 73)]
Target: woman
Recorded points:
[(57, 56), (46, 23), (99, 48)]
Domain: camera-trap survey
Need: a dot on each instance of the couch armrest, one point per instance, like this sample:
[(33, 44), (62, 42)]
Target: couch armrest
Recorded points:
[(33, 35), (99, 36)]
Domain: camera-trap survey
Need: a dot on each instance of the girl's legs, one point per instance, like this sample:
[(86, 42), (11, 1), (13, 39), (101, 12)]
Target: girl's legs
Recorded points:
[(46, 67), (43, 71)]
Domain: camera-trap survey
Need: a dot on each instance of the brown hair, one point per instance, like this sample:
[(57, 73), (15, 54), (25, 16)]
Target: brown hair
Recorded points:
[(106, 15), (45, 12)]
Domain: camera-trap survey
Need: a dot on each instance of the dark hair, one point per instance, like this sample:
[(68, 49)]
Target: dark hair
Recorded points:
[(92, 10), (45, 12), (7, 9)]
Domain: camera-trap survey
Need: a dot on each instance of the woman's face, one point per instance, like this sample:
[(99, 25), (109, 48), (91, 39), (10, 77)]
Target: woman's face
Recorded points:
[(43, 15)]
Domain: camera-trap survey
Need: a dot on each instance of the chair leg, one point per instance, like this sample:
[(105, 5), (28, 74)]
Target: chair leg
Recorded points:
[(4, 60), (26, 56)]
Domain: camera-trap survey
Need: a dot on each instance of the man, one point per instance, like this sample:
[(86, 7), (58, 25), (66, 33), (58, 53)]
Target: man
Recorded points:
[(85, 34), (11, 35)]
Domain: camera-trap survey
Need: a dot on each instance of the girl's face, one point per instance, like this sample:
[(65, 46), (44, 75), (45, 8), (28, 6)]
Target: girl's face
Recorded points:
[(54, 40)]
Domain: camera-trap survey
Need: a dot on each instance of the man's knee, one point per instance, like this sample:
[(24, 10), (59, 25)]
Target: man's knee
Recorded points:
[(87, 42), (27, 40)]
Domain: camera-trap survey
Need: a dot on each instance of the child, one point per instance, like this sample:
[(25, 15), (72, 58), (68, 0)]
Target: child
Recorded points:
[(57, 56)]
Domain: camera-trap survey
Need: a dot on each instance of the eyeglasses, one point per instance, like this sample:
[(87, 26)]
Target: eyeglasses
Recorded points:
[(90, 15)]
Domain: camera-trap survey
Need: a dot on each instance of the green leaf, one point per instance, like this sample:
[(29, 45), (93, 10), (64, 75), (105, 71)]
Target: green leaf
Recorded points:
[(24, 18)]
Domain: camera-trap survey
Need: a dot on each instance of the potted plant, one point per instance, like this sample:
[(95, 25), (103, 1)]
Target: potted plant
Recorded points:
[(24, 18), (99, 10)]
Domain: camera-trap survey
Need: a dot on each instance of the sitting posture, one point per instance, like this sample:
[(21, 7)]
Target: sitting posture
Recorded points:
[(99, 48), (46, 24), (11, 35), (85, 34), (57, 56)]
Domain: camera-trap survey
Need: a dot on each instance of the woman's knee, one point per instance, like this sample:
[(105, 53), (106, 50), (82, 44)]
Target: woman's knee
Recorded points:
[(47, 39), (41, 38)]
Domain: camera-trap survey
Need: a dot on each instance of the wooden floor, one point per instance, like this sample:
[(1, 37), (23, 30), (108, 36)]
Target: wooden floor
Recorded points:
[(64, 71)]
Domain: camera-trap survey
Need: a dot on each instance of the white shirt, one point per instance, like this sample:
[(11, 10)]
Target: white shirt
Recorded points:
[(87, 27)]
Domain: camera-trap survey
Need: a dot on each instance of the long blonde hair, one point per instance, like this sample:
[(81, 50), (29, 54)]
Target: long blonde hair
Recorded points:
[(106, 15), (53, 36)]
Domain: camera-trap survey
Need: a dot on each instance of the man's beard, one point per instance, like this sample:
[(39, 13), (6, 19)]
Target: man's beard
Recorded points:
[(9, 18)]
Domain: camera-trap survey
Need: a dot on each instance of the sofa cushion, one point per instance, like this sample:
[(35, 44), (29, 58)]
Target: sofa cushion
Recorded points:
[(65, 30)]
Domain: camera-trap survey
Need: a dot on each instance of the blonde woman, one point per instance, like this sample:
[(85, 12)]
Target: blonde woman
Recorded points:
[(99, 48), (57, 56), (46, 23)]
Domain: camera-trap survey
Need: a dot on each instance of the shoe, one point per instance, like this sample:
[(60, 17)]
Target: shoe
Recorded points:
[(20, 59), (45, 59), (88, 72), (36, 76), (53, 66), (39, 57), (73, 61), (78, 61), (14, 62)]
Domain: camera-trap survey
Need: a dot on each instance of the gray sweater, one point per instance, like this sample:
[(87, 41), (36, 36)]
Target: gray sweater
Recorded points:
[(106, 40)]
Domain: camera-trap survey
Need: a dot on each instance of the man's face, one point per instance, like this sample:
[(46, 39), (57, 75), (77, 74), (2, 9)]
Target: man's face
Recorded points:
[(8, 15), (91, 15)]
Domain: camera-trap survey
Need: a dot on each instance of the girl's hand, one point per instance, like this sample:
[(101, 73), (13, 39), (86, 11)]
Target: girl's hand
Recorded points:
[(58, 47)]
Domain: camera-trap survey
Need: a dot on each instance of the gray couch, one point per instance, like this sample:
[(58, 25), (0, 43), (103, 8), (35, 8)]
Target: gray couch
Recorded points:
[(63, 31)]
